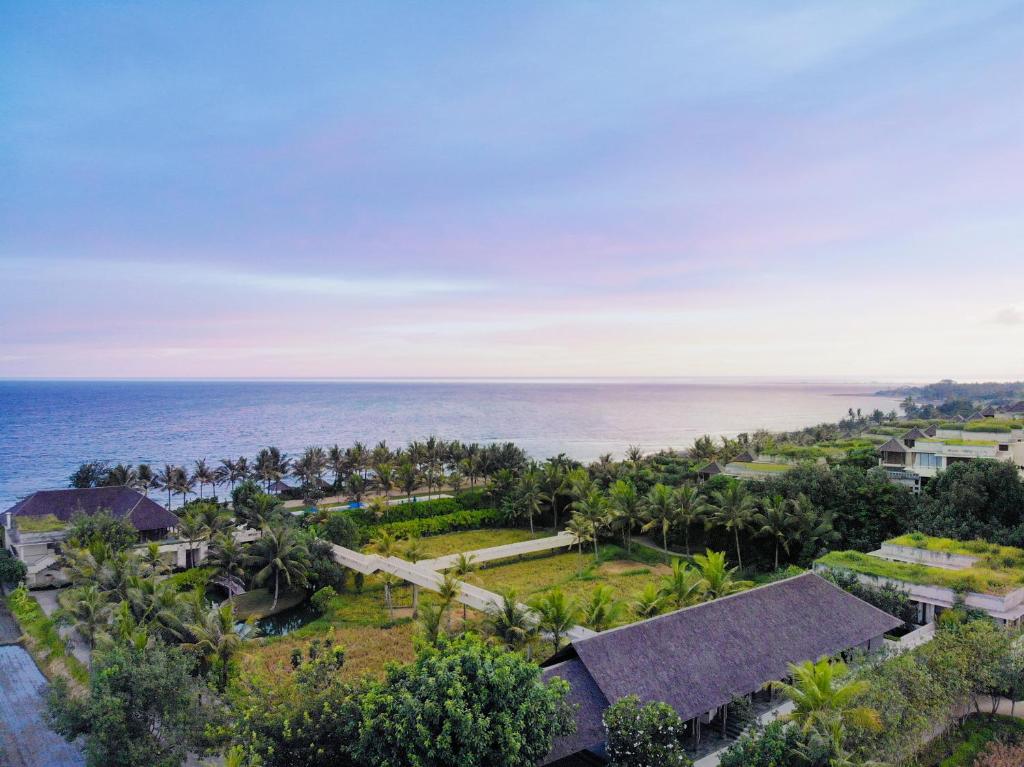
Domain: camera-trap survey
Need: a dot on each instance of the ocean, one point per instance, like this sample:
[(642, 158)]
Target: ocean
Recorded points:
[(48, 427)]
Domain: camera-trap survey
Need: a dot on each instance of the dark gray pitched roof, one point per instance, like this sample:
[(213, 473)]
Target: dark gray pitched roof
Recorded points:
[(1016, 407), (915, 434), (931, 431), (589, 703), (745, 457), (959, 419), (122, 502), (975, 416), (702, 657), (279, 487), (711, 469), (988, 412), (892, 446)]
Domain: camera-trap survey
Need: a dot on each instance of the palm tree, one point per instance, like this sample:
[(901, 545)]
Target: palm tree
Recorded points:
[(814, 527), (684, 586), (583, 531), (271, 465), (627, 509), (203, 475), (661, 511), (554, 485), (216, 640), (556, 616), (775, 521), (603, 610), (732, 509), (532, 495), (89, 613), (465, 569), (414, 552), (355, 486), (449, 591), (386, 545), (408, 477), (227, 557), (594, 509), (384, 477), (183, 483), (278, 554), (166, 479), (152, 560), (510, 623), (193, 528), (717, 577), (690, 508), (650, 603), (821, 699), (144, 478), (121, 475)]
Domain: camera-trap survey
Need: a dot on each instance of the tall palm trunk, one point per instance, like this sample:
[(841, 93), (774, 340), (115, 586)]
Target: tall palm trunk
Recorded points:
[(739, 558), (277, 584)]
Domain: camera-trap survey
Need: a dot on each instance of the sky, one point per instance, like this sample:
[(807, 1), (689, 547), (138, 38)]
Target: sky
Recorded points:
[(331, 189)]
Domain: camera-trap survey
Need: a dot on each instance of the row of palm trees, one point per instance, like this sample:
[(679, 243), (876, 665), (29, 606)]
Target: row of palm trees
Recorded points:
[(431, 463), (790, 524)]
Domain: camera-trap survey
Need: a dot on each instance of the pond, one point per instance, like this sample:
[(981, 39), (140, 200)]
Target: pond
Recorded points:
[(288, 620)]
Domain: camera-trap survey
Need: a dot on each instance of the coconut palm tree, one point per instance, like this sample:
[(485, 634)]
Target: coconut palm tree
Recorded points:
[(465, 569), (583, 531), (408, 477), (603, 610), (661, 511), (279, 554), (821, 698), (684, 586), (532, 495), (144, 478), (203, 475), (510, 623), (122, 475), (650, 603), (193, 528), (594, 509), (166, 479), (183, 484), (271, 465), (690, 509), (386, 545), (355, 486), (813, 527), (732, 509), (554, 485), (227, 557), (626, 508), (775, 521), (718, 578), (557, 614), (449, 591), (88, 612), (152, 561), (414, 552), (216, 641)]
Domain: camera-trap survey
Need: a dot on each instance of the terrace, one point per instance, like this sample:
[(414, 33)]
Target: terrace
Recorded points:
[(939, 572)]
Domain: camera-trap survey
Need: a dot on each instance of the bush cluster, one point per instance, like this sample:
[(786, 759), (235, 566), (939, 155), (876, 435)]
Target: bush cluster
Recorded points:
[(446, 523)]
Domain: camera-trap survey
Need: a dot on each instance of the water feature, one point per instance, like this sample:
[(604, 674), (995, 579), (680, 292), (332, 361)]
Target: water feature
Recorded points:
[(287, 621)]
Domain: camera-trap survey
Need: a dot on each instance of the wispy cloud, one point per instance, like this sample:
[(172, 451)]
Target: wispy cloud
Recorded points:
[(1009, 315)]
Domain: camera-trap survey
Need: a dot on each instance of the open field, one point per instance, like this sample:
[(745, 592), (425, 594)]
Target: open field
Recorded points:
[(360, 623)]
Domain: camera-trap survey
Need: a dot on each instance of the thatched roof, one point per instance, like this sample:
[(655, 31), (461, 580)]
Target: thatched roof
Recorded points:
[(915, 433), (745, 457), (589, 703), (931, 431), (702, 657), (959, 419), (989, 412), (122, 502), (711, 469), (1016, 407), (892, 446), (280, 487)]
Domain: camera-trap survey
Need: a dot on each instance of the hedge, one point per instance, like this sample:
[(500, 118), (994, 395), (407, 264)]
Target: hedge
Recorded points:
[(446, 523), (402, 512)]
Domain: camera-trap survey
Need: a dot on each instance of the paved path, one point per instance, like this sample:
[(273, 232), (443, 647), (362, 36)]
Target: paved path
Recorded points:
[(25, 739), (561, 541), (47, 599), (430, 579)]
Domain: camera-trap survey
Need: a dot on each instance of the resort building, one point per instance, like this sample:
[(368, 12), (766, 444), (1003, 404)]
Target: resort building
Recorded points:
[(35, 527), (700, 659), (919, 455), (939, 573), (744, 466)]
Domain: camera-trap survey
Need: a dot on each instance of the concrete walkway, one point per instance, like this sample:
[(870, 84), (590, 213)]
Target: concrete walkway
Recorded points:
[(560, 541), (431, 579)]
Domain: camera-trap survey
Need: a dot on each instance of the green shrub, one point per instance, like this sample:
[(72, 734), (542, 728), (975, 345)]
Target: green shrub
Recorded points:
[(193, 578), (322, 599), (402, 512), (994, 428), (447, 523), (473, 498), (47, 640)]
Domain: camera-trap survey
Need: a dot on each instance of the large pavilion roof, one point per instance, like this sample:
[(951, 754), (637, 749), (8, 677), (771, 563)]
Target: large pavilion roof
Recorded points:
[(702, 657), (122, 502)]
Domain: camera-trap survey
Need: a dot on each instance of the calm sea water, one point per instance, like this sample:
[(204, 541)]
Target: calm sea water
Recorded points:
[(48, 428)]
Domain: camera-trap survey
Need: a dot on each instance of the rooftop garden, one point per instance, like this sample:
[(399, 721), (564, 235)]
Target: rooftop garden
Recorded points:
[(992, 427), (979, 578), (759, 466), (45, 523), (962, 442), (998, 556)]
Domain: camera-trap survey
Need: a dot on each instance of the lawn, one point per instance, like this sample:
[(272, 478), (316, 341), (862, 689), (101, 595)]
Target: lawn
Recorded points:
[(44, 523), (471, 540), (762, 466)]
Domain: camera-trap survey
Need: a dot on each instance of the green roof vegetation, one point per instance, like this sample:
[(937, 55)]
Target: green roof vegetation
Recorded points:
[(990, 426), (759, 466), (962, 442), (999, 569), (45, 523)]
